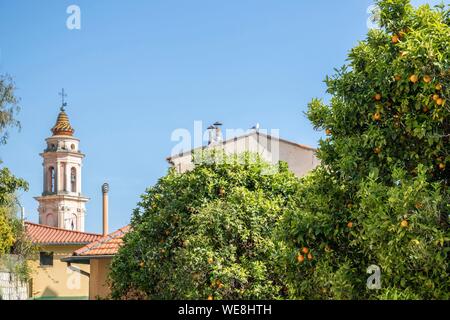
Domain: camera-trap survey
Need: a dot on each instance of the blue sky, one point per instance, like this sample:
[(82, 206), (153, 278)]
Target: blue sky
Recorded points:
[(137, 70)]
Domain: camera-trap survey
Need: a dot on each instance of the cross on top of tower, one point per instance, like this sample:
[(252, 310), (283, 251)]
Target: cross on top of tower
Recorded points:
[(63, 101), (62, 126)]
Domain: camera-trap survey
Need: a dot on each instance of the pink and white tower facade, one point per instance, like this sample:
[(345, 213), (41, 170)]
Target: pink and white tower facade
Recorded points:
[(62, 204)]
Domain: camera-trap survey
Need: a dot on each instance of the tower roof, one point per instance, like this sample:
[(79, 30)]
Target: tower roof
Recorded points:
[(62, 126)]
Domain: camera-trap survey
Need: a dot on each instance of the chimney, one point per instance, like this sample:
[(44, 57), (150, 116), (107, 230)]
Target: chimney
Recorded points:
[(105, 190), (218, 126), (211, 134), (256, 127)]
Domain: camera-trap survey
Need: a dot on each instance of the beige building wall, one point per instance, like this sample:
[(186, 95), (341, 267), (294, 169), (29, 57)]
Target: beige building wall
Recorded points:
[(300, 159), (59, 280), (98, 287)]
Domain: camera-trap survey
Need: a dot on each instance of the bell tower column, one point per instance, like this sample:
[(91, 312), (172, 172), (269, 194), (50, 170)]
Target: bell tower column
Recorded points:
[(61, 203)]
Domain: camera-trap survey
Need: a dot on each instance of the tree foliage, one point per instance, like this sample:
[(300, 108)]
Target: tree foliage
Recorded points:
[(12, 233), (9, 106), (9, 230), (380, 196), (207, 233)]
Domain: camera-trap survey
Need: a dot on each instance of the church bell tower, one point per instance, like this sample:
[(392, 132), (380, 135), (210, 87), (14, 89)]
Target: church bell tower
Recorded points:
[(62, 204)]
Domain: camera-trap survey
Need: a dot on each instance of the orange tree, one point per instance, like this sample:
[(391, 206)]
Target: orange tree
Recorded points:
[(380, 196), (207, 234)]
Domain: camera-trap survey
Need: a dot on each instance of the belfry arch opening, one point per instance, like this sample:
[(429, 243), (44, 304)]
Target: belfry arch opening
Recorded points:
[(73, 179), (51, 180)]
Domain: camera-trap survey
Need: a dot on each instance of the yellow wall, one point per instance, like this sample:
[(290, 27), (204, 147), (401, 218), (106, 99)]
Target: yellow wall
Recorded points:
[(59, 280), (98, 287)]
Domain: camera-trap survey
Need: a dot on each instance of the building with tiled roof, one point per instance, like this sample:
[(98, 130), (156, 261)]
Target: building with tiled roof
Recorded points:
[(99, 255), (105, 246), (45, 235), (51, 278), (301, 159)]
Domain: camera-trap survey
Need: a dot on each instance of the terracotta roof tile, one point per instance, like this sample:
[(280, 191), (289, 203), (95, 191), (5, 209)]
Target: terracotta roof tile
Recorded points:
[(62, 126), (41, 234), (107, 245)]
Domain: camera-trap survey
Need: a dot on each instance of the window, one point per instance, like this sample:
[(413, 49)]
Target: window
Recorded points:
[(73, 179), (46, 259), (52, 182)]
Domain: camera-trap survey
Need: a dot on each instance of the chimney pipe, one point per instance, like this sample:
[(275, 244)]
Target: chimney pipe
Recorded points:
[(211, 134), (105, 190), (218, 126)]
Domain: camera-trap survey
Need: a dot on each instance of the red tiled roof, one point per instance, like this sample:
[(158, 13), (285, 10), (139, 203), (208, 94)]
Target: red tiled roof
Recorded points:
[(107, 245), (41, 234)]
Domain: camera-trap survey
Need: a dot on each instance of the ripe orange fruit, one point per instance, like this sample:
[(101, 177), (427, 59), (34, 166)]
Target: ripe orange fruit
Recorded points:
[(404, 224), (350, 225), (425, 109), (141, 264), (435, 97), (210, 297), (439, 102), (442, 166), (221, 192), (376, 116), (377, 97), (310, 256), (438, 87), (210, 260), (413, 78), (377, 150), (305, 250), (395, 38), (397, 77), (427, 79), (328, 132), (300, 258), (419, 205)]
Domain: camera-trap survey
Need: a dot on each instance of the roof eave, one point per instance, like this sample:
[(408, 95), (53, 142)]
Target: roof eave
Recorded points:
[(61, 243), (82, 259)]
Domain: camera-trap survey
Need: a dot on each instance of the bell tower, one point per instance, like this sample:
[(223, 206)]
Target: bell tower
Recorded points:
[(62, 204)]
